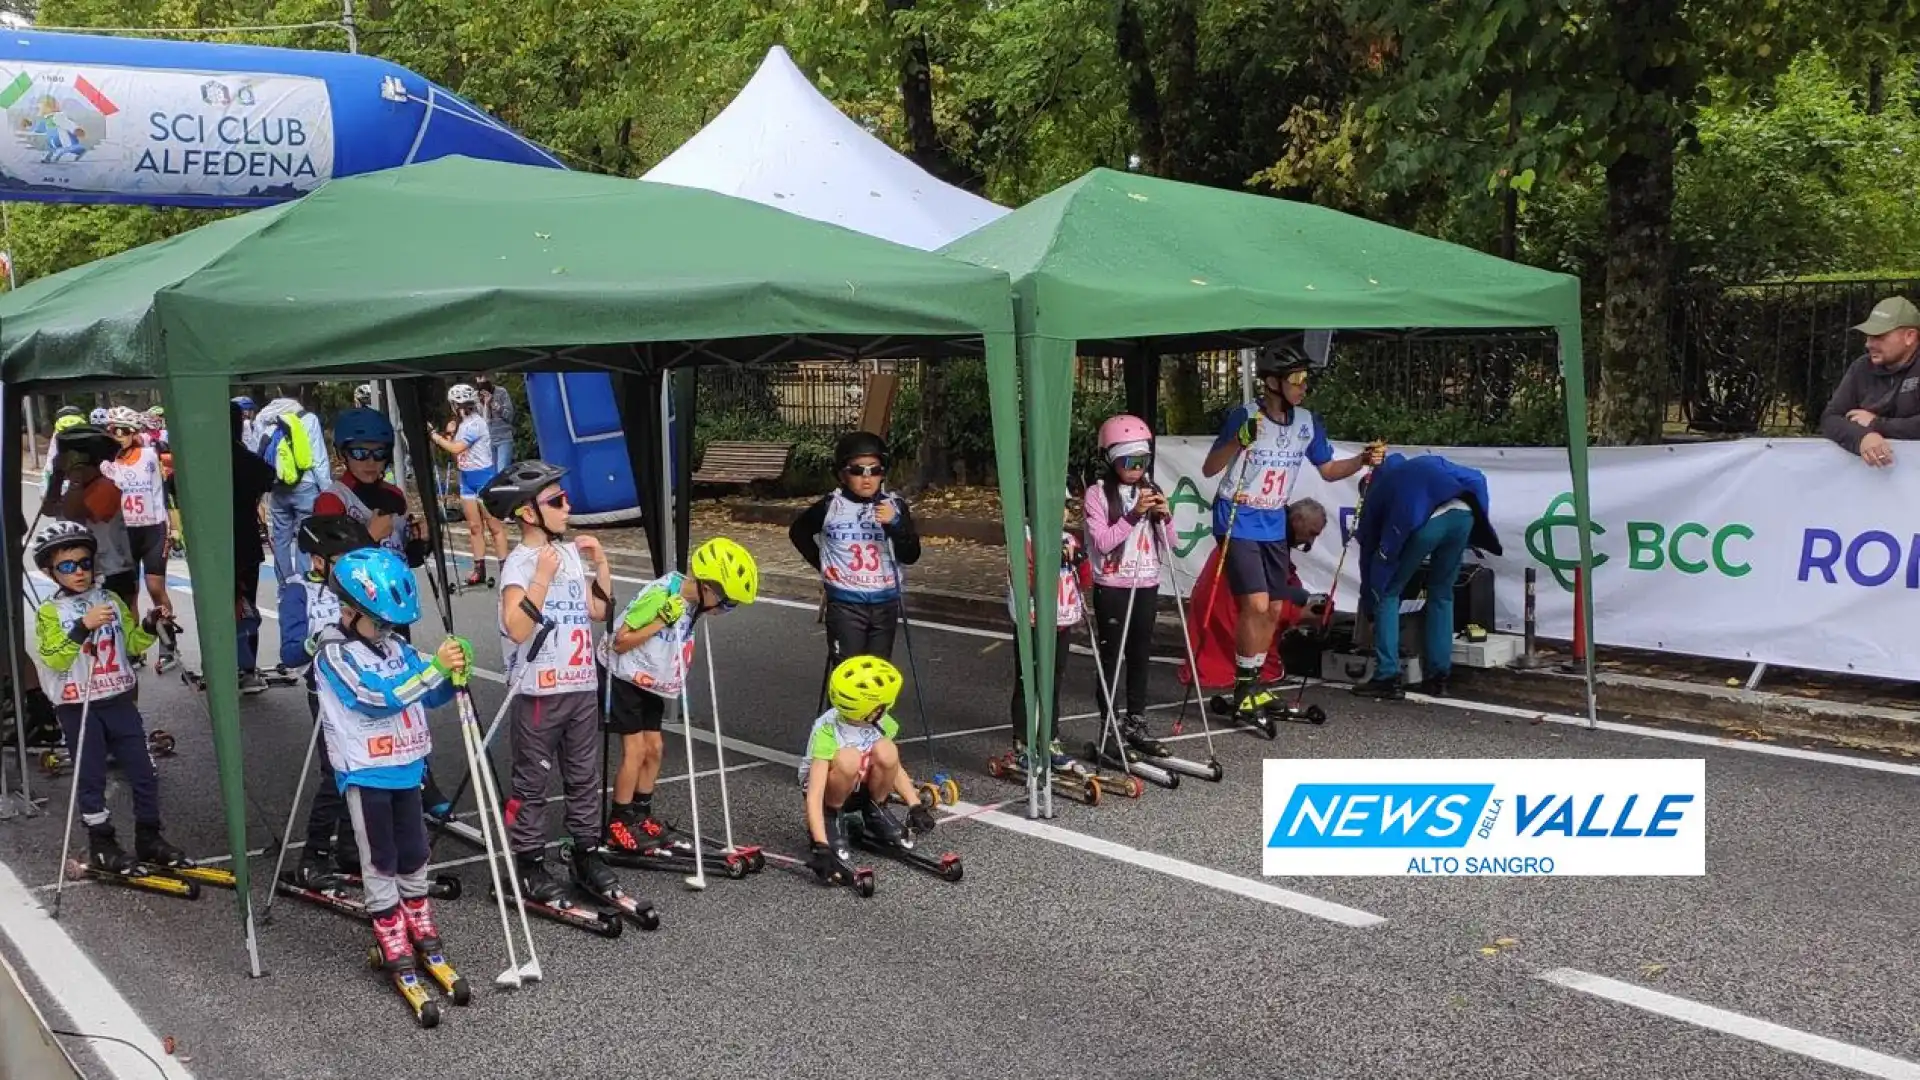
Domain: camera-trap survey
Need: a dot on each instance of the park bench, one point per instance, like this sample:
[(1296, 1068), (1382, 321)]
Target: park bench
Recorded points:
[(742, 463)]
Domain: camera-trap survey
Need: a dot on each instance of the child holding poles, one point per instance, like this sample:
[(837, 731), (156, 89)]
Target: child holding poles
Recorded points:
[(373, 691), (653, 647), (1122, 513), (852, 537), (81, 616), (548, 601)]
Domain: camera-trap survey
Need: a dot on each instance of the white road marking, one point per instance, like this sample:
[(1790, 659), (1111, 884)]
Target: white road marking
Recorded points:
[(79, 988), (1793, 1041), (1147, 860)]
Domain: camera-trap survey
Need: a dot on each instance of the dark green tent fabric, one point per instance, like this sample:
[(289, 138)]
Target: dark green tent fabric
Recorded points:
[(1116, 259), (464, 265)]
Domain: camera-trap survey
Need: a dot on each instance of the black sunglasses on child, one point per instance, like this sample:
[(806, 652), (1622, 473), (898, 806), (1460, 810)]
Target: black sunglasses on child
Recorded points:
[(73, 566), (369, 453), (865, 470)]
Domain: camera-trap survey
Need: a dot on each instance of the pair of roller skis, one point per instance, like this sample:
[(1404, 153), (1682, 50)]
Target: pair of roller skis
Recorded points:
[(337, 896), (181, 880)]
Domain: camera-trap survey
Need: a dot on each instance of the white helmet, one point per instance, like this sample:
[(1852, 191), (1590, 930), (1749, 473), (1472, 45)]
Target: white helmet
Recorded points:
[(462, 394), (58, 535), (363, 395), (122, 416), (98, 418)]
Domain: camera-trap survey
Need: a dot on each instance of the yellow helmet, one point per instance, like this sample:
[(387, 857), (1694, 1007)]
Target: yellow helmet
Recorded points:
[(727, 566), (68, 423), (862, 686)]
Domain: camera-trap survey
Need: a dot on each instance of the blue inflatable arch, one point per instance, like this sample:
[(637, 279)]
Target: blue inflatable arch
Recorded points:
[(97, 119)]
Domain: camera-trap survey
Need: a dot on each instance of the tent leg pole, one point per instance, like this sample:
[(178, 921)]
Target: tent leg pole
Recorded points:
[(254, 969)]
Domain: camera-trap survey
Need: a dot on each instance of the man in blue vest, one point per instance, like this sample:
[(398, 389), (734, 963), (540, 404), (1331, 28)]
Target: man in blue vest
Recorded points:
[(1415, 510)]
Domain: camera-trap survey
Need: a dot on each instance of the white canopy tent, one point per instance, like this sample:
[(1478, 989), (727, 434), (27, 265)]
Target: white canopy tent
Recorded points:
[(781, 143)]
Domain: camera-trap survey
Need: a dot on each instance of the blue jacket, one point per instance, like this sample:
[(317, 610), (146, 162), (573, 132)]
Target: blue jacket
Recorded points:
[(1403, 494)]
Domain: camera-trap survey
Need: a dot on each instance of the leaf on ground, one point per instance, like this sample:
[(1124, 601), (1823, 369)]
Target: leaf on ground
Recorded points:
[(1506, 942), (1652, 971), (1489, 951)]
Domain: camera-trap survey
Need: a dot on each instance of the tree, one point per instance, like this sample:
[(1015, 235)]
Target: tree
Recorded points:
[(1610, 84)]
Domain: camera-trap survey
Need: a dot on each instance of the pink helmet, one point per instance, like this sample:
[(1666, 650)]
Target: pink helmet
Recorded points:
[(1123, 434)]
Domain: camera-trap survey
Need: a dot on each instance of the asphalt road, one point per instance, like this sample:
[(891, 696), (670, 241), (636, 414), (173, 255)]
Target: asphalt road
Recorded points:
[(1058, 955)]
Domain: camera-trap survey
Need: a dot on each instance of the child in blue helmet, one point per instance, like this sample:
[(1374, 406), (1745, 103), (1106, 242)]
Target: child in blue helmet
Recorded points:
[(374, 690)]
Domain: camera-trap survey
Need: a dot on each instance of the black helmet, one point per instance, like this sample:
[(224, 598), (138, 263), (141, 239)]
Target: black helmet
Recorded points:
[(58, 536), (327, 535), (1280, 360), (87, 443), (69, 410), (859, 444), (517, 485)]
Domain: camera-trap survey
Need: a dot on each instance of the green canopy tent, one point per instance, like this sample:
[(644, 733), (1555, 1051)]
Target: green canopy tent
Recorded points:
[(1116, 264), (461, 265)]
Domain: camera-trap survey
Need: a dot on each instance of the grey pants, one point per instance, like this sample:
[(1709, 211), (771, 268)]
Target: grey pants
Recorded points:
[(559, 731), (393, 845)]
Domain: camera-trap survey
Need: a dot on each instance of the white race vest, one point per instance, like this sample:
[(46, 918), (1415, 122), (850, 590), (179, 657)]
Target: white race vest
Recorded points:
[(1067, 605), (143, 495), (566, 662), (107, 673), (356, 741), (854, 558), (479, 451), (396, 540), (861, 737), (659, 664), (1276, 455)]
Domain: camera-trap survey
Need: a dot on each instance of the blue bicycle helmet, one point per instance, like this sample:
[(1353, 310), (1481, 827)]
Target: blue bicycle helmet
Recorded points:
[(245, 403), (377, 583), (362, 426)]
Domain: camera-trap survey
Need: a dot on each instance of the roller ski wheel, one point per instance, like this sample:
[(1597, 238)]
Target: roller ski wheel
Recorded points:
[(451, 983), (55, 763), (1079, 786), (160, 743), (1135, 768), (590, 875), (426, 1011)]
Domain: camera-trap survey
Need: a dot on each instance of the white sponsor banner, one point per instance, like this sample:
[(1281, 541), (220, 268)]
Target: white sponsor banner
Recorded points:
[(1500, 817), (1785, 551), (84, 128)]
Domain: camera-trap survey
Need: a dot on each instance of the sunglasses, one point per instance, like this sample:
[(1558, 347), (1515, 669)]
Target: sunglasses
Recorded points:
[(73, 566), (1298, 378), (865, 470), (1132, 461), (122, 430), (369, 453), (558, 502), (723, 604)]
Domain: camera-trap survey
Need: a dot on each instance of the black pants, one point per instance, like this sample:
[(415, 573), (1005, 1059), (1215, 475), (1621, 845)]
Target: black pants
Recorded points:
[(1015, 709), (860, 630), (1110, 616), (114, 729)]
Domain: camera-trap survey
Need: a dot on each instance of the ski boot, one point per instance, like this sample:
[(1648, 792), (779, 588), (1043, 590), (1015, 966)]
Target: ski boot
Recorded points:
[(393, 954), (882, 835), (832, 862), (281, 675), (551, 900), (317, 873), (1068, 777), (1125, 769), (108, 862), (593, 876), (628, 832), (162, 626), (153, 850), (1250, 708), (418, 914)]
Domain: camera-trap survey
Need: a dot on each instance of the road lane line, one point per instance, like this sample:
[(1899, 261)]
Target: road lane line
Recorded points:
[(1792, 1040), (1146, 860)]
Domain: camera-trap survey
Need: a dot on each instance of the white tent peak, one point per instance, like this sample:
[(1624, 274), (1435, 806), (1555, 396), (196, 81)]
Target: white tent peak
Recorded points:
[(781, 143)]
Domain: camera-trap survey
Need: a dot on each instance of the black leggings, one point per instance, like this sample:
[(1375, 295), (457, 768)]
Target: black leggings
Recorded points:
[(1110, 615), (1014, 708), (860, 630)]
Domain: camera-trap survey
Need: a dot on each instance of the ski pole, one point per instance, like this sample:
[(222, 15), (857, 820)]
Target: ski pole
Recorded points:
[(500, 715), (79, 761), (1326, 617), (1193, 664), (493, 836), (696, 881), (719, 743), (938, 774), (293, 813), (1111, 723)]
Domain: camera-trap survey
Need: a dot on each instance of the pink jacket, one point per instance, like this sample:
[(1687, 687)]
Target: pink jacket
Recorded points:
[(1118, 564)]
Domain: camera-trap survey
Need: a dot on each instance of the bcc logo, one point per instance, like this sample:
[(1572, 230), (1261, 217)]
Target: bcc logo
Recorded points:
[(1689, 547)]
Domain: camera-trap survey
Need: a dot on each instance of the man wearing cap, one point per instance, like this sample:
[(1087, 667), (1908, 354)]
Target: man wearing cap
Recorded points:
[(1878, 400), (1250, 517)]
